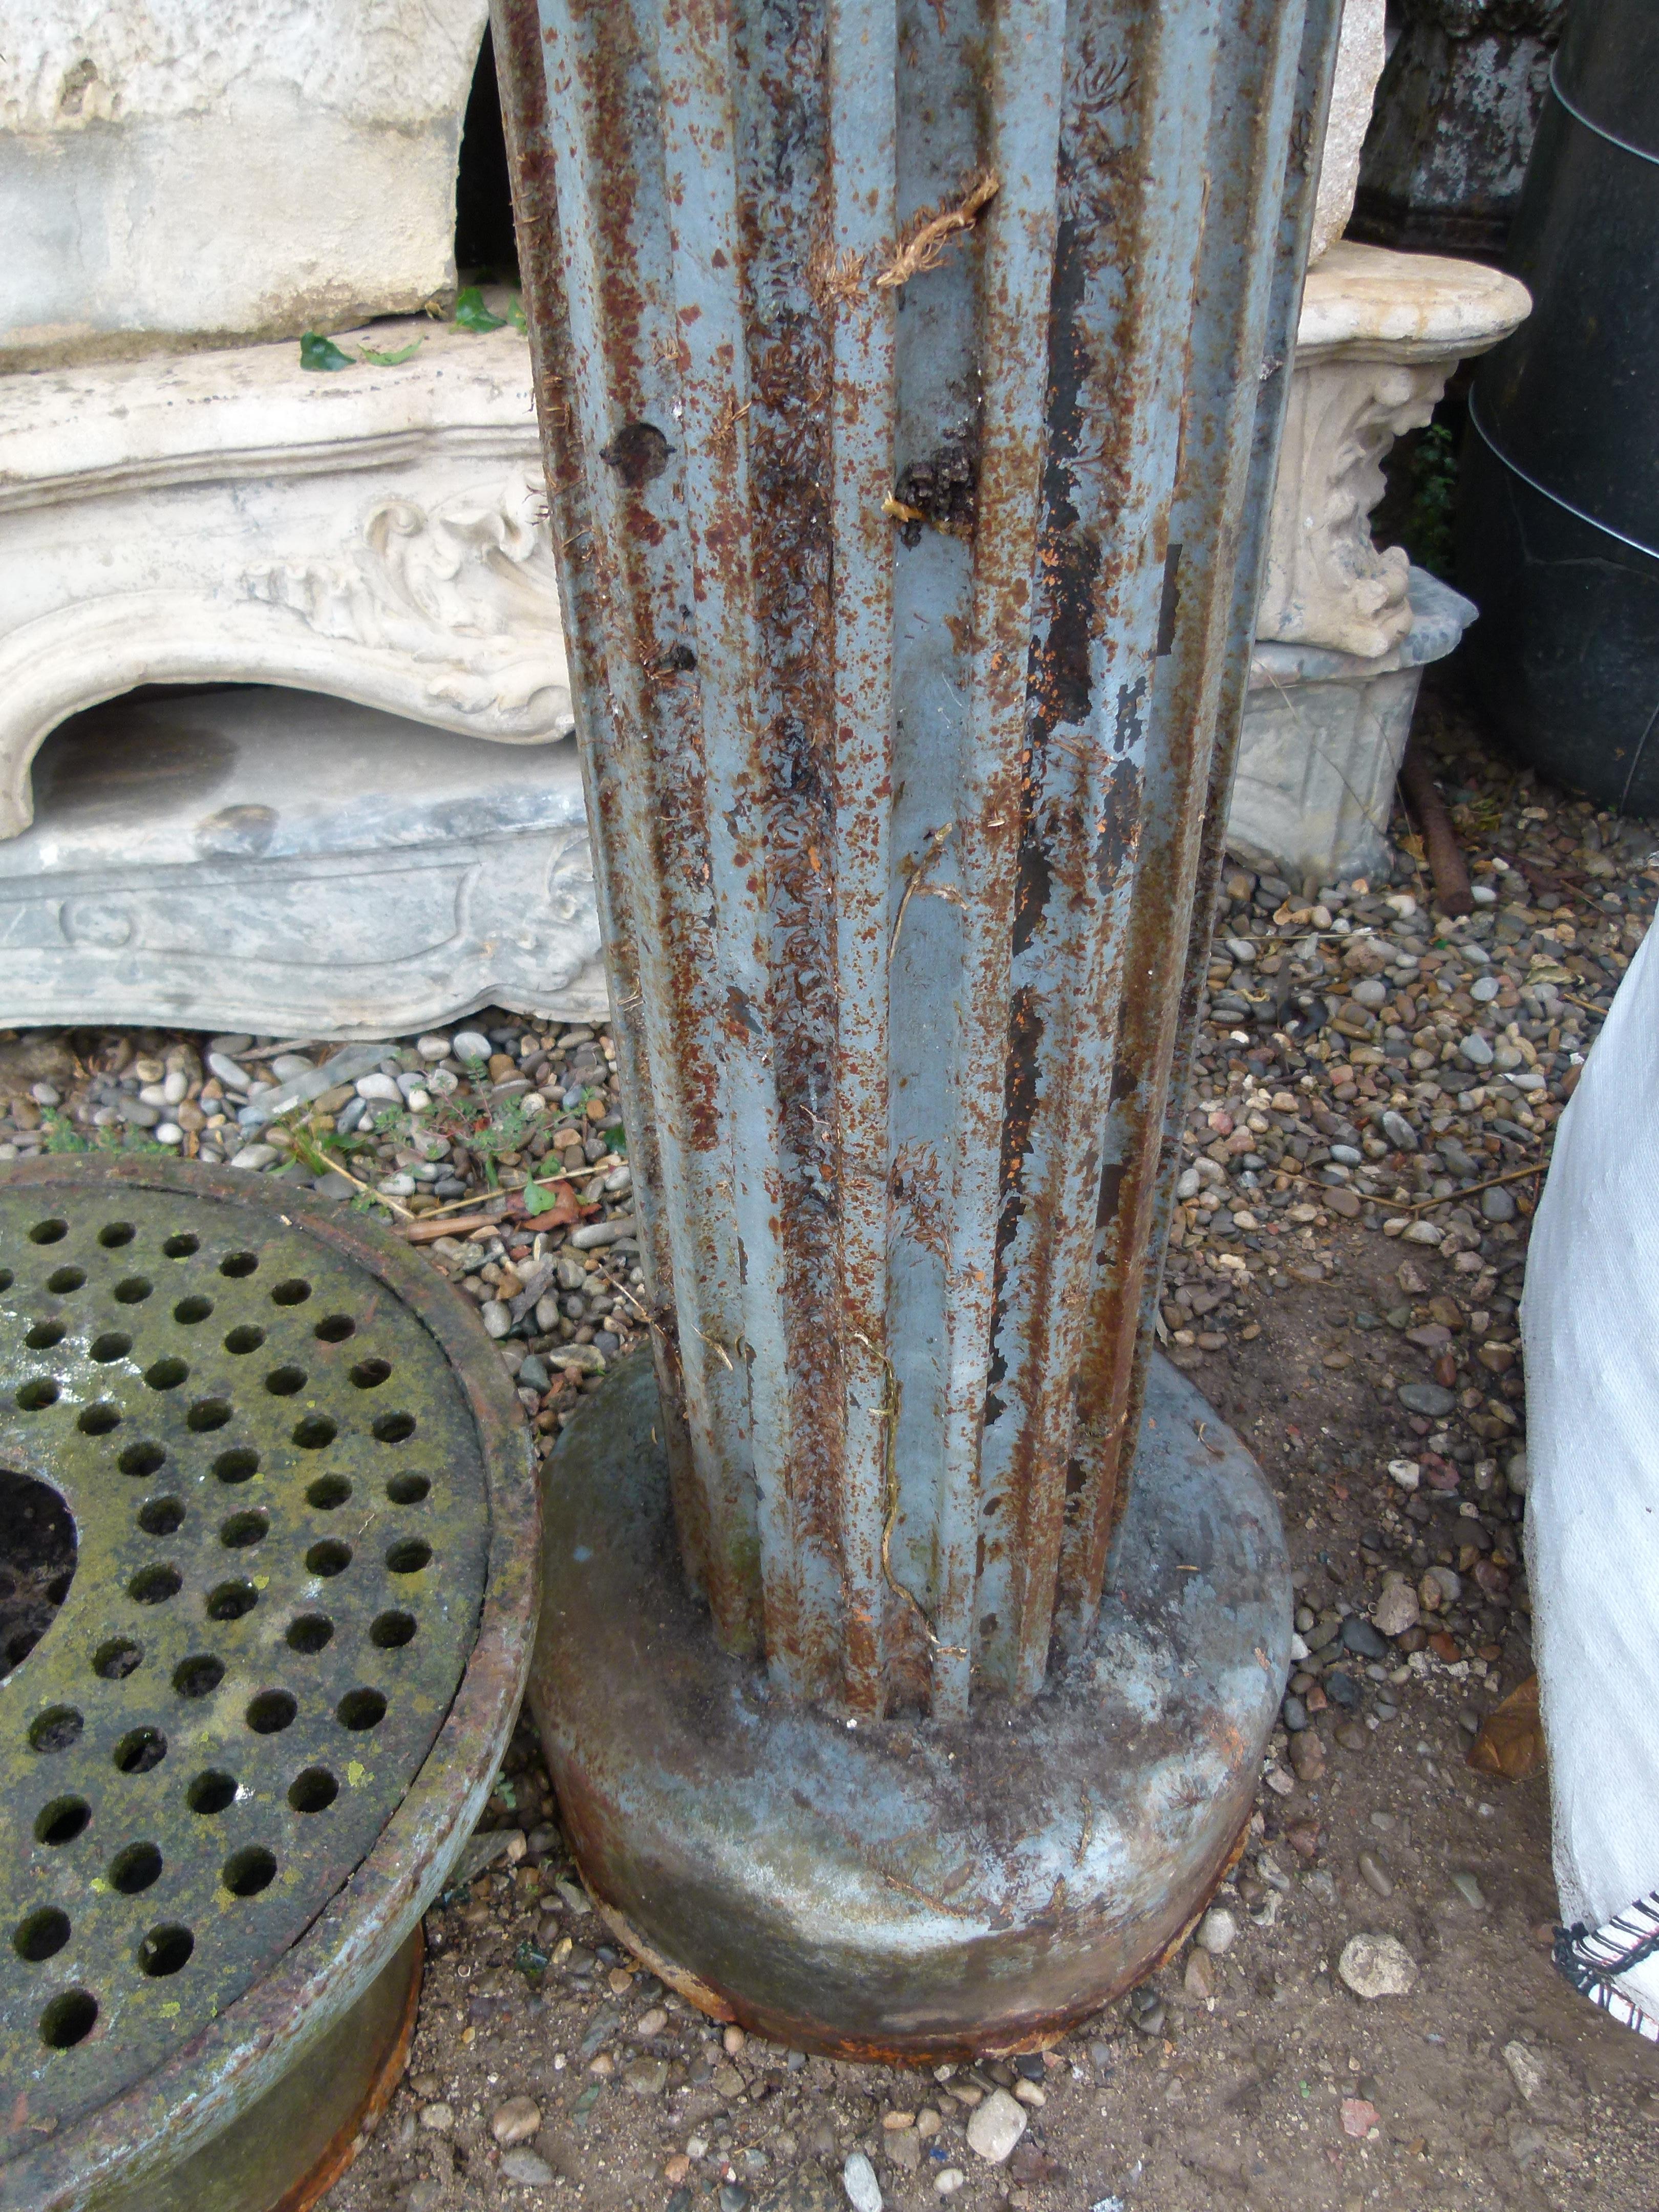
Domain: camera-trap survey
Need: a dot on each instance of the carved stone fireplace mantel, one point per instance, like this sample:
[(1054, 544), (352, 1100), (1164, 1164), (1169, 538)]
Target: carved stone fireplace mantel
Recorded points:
[(377, 533)]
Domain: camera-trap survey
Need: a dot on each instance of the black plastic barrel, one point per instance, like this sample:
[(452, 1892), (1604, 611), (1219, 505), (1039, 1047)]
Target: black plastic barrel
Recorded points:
[(1558, 534)]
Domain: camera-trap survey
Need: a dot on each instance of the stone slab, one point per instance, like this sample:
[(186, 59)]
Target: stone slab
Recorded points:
[(254, 859), (189, 171)]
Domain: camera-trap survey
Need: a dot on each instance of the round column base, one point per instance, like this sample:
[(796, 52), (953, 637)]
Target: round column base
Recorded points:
[(906, 1888)]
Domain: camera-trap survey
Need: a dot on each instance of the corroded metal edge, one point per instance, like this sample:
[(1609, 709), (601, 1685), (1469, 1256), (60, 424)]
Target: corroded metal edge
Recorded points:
[(911, 1888), (221, 2070), (311, 2189)]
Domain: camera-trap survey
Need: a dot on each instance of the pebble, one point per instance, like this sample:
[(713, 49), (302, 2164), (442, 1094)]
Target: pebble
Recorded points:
[(1496, 1205), (858, 2178), (496, 1317), (528, 2167), (995, 2126), (431, 1046), (251, 1157), (1396, 1610), (438, 2117), (1431, 1399), (470, 1045), (1375, 1874), (379, 1087), (1199, 1980), (1217, 1932), (948, 2180), (1469, 1890), (1376, 1966), (515, 2121)]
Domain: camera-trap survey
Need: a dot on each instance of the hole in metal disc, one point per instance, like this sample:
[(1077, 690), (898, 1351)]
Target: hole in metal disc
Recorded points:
[(407, 1489), (45, 1335), (369, 1374), (98, 1420), (48, 1232), (361, 1709), (165, 1950), (239, 1466), (62, 1280), (38, 1550), (309, 1632), (286, 1382), (271, 1711), (35, 1397), (211, 1792), (395, 1428), (142, 1459), (314, 1431), (246, 1872), (114, 1234), (294, 1292), (166, 1374), (208, 1413), (328, 1557), (68, 2019), (114, 1660), (245, 1528), (160, 1516), (335, 1329), (111, 1345), (132, 1870), (133, 1292), (189, 1311), (239, 1263), (41, 1936), (408, 1556), (313, 1792), (181, 1246), (198, 1676), (140, 1750), (7, 1278), (55, 1729), (61, 1821), (156, 1585), (245, 1339), (230, 1600), (391, 1629), (328, 1491)]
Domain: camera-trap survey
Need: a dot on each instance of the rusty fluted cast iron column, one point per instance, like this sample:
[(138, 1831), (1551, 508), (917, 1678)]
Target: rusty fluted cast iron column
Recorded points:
[(910, 374)]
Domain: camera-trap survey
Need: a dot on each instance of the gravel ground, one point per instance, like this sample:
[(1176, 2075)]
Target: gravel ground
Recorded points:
[(1372, 1113)]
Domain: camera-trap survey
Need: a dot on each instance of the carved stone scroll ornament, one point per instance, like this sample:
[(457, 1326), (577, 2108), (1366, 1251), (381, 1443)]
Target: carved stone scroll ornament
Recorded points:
[(1379, 335), (1327, 582)]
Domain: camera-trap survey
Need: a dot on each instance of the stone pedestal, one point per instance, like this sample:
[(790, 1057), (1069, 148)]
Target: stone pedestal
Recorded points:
[(1379, 335), (1324, 735), (1343, 628)]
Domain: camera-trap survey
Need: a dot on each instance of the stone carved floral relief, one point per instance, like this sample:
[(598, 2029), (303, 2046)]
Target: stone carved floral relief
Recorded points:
[(465, 589)]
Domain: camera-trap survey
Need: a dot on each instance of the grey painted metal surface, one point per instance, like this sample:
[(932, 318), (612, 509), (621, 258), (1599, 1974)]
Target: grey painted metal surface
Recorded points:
[(910, 377)]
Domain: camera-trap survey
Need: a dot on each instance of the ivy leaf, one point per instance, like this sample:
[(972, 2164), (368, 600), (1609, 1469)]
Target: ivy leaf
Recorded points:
[(472, 314), (318, 352), (390, 360), (517, 317)]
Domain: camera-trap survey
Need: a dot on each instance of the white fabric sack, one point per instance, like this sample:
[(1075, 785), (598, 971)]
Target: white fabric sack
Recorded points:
[(1590, 1323)]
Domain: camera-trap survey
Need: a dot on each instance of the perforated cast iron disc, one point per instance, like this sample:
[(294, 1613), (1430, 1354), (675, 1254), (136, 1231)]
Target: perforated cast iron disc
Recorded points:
[(295, 1470)]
